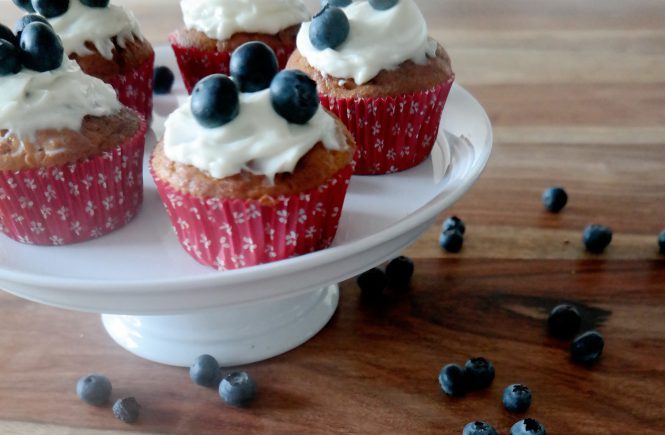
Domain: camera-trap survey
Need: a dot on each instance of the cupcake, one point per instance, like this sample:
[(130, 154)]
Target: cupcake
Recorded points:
[(377, 69), (255, 176), (70, 153), (215, 28), (106, 42)]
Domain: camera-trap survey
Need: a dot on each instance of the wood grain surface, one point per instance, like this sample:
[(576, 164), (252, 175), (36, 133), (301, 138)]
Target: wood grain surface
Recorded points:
[(576, 92)]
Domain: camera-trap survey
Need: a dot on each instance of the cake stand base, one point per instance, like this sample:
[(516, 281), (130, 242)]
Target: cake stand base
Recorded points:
[(234, 335)]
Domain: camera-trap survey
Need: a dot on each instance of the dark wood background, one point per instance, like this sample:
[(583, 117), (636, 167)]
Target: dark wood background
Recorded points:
[(576, 91)]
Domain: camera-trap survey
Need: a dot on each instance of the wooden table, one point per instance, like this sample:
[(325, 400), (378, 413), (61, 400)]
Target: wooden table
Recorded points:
[(576, 91)]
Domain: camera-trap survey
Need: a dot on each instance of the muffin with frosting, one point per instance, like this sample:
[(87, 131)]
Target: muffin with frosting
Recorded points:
[(215, 28), (106, 42), (378, 70), (70, 152), (252, 169)]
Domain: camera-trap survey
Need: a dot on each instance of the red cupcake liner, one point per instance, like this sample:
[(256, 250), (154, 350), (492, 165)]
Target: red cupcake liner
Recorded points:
[(76, 201), (196, 64), (393, 134), (134, 88), (230, 233)]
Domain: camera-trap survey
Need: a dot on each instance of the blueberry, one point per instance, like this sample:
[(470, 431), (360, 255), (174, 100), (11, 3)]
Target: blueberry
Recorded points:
[(597, 238), (329, 28), (7, 34), (215, 101), (555, 199), (399, 271), (338, 3), (478, 428), (294, 96), (205, 371), (10, 58), (564, 321), (661, 243), (41, 48), (517, 398), (454, 223), (26, 5), (383, 5), (479, 373), (528, 426), (253, 66), (96, 3), (587, 348), (451, 241), (27, 19), (452, 380), (50, 8), (94, 389), (163, 79), (127, 409), (237, 389), (372, 283)]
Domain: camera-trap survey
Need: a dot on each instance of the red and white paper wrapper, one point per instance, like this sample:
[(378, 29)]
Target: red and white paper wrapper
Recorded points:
[(196, 64), (231, 233), (74, 202), (134, 88), (393, 134)]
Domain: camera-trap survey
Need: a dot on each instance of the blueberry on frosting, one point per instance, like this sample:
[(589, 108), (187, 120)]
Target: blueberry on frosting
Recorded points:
[(26, 5), (294, 96), (95, 3), (50, 8), (253, 65), (383, 5), (329, 28), (41, 48), (215, 101), (338, 3), (27, 19), (10, 58)]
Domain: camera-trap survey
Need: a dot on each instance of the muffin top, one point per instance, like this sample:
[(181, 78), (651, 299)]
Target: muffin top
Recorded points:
[(221, 19), (360, 40)]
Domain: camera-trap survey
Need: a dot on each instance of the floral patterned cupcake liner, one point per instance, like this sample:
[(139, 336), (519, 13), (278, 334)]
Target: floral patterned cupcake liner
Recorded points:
[(393, 134), (134, 88), (74, 202), (231, 233), (196, 64)]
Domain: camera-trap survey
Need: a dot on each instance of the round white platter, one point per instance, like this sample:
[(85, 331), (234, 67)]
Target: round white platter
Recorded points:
[(162, 305)]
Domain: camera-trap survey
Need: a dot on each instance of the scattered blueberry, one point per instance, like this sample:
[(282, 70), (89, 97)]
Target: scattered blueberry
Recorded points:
[(528, 426), (478, 428), (399, 271), (94, 389), (597, 238), (205, 371), (27, 19), (253, 66), (555, 199), (127, 409), (452, 380), (517, 398), (50, 8), (564, 321), (163, 79), (96, 3), (479, 373), (337, 3), (237, 389), (383, 5), (215, 101), (451, 241), (26, 5), (454, 223), (587, 348), (7, 34), (329, 28), (294, 96), (372, 283), (41, 48), (10, 58), (661, 243)]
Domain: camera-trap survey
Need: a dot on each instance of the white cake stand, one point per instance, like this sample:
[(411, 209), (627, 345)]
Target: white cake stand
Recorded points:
[(162, 305)]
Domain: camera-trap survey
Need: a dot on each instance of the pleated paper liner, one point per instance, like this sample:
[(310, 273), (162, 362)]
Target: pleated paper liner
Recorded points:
[(231, 233), (393, 134), (196, 64), (134, 88), (74, 202)]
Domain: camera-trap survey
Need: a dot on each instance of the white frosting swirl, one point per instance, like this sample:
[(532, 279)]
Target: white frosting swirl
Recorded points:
[(98, 25), (220, 19), (58, 99), (378, 40), (259, 140)]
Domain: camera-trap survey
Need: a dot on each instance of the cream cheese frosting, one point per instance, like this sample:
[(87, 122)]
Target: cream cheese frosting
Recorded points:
[(98, 25), (220, 19), (58, 99), (258, 140), (378, 40)]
